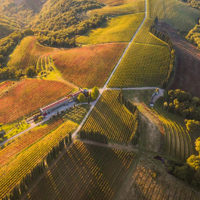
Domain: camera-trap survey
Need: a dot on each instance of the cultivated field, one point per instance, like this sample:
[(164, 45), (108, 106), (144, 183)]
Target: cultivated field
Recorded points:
[(5, 84), (111, 118), (146, 62), (11, 149), (118, 29), (28, 96), (84, 172), (127, 8), (178, 142), (174, 12), (8, 153), (88, 66), (188, 59), (11, 174), (150, 182), (161, 130), (27, 53)]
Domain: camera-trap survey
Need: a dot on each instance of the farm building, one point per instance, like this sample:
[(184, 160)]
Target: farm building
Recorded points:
[(62, 102)]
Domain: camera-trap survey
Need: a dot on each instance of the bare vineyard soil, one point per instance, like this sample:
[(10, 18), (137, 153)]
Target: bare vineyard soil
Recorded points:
[(188, 62)]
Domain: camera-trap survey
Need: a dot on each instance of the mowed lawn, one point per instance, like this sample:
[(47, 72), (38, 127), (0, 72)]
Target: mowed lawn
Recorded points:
[(118, 29), (27, 53), (28, 96), (127, 8), (89, 65), (146, 62), (174, 12)]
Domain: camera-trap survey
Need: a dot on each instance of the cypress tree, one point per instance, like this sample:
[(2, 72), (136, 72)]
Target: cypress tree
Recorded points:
[(70, 137), (22, 186), (66, 141)]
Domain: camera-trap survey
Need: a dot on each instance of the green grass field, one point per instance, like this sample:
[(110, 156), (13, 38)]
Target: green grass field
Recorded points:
[(174, 12), (118, 29), (127, 8), (111, 118), (146, 62), (27, 53)]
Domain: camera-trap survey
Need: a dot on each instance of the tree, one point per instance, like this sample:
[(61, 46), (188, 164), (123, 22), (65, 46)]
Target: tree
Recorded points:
[(70, 137), (81, 98), (30, 71), (197, 145), (1, 125), (28, 32), (95, 92), (156, 20), (192, 125), (88, 100)]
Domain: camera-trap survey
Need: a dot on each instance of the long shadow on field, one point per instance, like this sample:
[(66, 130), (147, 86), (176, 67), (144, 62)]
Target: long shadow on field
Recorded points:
[(110, 122)]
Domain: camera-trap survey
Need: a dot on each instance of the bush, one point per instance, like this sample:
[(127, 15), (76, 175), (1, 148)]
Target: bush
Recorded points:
[(30, 71)]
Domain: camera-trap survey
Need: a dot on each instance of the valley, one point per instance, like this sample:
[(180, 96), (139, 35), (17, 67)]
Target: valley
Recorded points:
[(132, 134)]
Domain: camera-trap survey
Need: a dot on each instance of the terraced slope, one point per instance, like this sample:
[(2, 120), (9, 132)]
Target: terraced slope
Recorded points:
[(27, 53)]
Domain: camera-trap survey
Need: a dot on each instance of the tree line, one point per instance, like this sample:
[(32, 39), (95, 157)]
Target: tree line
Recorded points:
[(66, 37), (39, 169), (8, 44), (93, 136), (134, 110), (166, 39), (184, 104), (190, 171)]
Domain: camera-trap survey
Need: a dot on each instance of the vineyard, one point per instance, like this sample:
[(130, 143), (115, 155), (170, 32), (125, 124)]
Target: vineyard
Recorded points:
[(146, 62), (176, 13), (147, 182), (27, 53), (28, 96), (88, 66), (5, 84), (111, 118), (118, 29), (84, 172), (177, 140), (11, 174), (127, 8), (10, 151)]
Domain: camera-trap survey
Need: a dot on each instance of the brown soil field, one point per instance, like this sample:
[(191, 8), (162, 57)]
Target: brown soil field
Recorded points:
[(188, 61), (88, 66)]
